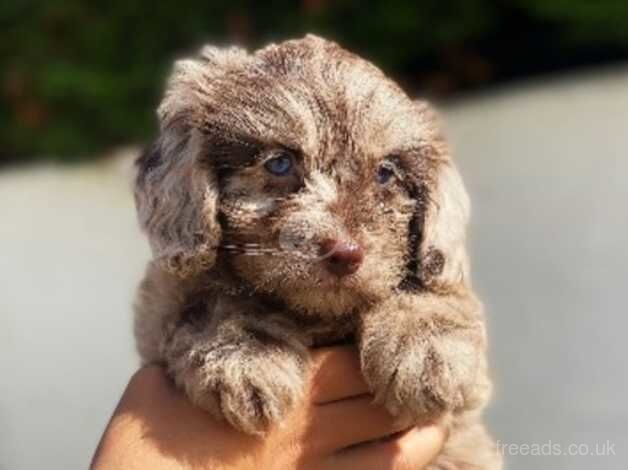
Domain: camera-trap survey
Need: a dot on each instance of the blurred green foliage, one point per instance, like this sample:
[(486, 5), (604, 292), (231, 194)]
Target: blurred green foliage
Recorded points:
[(80, 76)]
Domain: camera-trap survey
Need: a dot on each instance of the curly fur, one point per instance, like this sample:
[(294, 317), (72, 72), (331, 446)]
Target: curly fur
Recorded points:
[(238, 291)]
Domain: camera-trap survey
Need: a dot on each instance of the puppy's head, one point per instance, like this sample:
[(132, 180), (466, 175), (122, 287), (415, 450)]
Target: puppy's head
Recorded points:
[(313, 175)]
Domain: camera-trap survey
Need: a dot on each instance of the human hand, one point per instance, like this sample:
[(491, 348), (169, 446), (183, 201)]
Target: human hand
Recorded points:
[(336, 426)]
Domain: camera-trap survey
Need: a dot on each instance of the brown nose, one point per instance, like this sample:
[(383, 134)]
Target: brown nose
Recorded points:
[(341, 258)]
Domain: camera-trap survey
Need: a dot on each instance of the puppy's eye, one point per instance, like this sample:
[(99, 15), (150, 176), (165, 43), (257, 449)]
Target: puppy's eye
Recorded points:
[(280, 164), (385, 172)]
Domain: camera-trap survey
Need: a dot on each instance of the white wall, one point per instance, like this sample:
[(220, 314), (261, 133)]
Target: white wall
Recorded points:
[(70, 258)]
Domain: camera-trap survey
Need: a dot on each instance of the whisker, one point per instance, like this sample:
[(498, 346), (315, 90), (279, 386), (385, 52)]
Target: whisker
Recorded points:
[(251, 249)]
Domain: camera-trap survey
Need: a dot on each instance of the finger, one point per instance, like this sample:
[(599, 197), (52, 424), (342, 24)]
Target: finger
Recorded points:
[(412, 450), (149, 385), (420, 446), (152, 398), (335, 375), (345, 423)]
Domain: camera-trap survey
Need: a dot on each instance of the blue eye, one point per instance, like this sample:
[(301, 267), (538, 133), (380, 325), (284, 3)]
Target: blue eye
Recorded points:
[(279, 165), (384, 173)]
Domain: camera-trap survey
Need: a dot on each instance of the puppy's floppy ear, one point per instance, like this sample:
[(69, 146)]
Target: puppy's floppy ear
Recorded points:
[(177, 204), (443, 261), (176, 191)]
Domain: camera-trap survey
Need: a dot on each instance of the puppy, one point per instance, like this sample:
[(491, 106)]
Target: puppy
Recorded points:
[(297, 197)]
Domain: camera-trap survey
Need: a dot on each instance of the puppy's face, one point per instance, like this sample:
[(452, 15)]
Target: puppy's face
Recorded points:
[(323, 235), (305, 169)]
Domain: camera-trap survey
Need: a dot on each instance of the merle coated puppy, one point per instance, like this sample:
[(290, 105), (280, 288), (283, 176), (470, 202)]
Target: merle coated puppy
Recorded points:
[(297, 197)]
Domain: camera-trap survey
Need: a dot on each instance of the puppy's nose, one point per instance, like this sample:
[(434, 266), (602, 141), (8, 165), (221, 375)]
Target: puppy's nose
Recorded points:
[(341, 258)]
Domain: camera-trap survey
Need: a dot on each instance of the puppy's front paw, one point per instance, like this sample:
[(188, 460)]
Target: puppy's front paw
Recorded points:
[(251, 391), (415, 370)]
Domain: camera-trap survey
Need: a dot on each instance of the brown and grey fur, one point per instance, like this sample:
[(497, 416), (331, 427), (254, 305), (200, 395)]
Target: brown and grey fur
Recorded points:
[(237, 291)]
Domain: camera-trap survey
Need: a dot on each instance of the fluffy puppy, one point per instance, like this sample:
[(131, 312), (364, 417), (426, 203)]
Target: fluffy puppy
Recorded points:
[(297, 197)]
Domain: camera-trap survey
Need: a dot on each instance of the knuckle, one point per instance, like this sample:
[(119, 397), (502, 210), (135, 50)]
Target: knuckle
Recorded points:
[(147, 377)]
